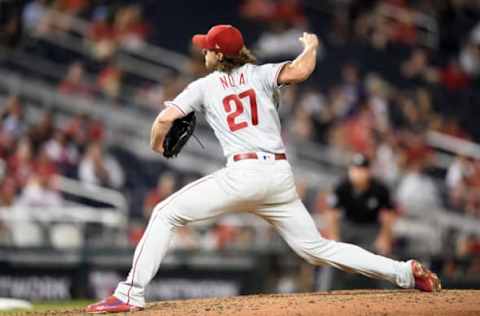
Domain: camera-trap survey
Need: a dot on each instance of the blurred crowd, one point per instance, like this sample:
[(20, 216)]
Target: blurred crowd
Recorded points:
[(32, 154), (389, 73), (109, 25)]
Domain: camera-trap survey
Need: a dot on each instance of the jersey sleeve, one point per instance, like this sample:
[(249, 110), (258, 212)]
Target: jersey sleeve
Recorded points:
[(268, 74), (189, 100)]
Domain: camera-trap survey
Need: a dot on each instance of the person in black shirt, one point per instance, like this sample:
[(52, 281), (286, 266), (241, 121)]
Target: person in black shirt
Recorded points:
[(362, 213), (362, 210)]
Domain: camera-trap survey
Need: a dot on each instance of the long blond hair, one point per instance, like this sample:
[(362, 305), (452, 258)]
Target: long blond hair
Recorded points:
[(228, 63)]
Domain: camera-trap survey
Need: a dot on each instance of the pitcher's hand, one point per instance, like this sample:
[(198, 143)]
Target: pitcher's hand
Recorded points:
[(309, 40)]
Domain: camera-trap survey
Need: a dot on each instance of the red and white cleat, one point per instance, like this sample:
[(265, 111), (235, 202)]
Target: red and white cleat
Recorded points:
[(111, 305), (425, 280)]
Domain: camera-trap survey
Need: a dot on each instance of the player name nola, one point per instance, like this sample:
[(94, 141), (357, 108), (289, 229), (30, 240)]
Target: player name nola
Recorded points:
[(232, 80)]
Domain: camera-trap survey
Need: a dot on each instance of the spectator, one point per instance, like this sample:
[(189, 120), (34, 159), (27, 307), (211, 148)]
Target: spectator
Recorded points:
[(280, 40), (43, 165), (10, 23), (416, 152), (257, 9), (7, 198), (301, 126), (339, 103), (13, 124), (290, 11), (42, 131), (463, 180), (8, 191), (378, 102), (7, 144), (20, 163), (33, 14), (314, 103), (451, 126), (456, 180), (109, 81), (403, 29), (40, 192), (340, 34), (470, 54), (417, 194), (61, 152), (419, 199), (82, 129), (186, 239), (380, 32), (96, 130), (50, 19), (165, 187), (416, 70), (386, 165), (99, 168), (409, 114), (74, 81), (357, 132), (351, 88), (151, 96), (73, 7), (130, 29), (453, 77), (101, 34)]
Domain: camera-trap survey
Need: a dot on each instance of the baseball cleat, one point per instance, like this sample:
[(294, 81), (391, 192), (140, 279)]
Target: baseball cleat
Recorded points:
[(111, 305), (425, 280)]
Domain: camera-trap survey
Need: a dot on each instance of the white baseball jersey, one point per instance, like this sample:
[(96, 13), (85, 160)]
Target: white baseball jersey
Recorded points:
[(241, 107)]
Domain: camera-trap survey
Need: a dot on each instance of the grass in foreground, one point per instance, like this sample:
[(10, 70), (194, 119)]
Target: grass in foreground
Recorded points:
[(47, 306)]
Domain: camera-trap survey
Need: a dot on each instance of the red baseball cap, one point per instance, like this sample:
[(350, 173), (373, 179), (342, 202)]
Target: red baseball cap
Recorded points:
[(225, 39)]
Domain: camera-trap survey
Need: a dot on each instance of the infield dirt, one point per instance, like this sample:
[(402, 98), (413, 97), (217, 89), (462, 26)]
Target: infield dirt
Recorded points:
[(359, 302)]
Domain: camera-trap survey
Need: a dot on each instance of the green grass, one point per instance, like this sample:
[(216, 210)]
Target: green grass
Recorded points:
[(39, 307)]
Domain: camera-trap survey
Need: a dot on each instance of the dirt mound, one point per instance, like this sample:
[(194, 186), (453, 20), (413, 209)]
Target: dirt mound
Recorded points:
[(361, 302)]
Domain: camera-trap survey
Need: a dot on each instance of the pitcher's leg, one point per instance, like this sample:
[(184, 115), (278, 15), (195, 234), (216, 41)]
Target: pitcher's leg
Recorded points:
[(199, 200), (297, 228), (146, 260)]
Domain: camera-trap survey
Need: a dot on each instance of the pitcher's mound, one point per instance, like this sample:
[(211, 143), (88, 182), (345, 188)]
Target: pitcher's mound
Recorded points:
[(337, 303)]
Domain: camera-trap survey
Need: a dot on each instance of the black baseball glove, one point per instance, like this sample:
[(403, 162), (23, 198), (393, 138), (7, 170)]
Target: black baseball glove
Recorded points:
[(178, 135)]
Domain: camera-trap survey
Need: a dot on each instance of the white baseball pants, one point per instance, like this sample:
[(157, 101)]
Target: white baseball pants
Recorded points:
[(263, 187)]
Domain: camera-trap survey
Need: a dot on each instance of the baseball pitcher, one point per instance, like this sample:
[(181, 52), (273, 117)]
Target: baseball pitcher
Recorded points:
[(240, 102)]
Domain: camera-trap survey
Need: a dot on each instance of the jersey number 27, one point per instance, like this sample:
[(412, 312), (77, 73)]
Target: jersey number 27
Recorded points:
[(233, 106)]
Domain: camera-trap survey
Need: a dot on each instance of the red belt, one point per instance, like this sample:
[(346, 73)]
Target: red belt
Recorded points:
[(243, 156)]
